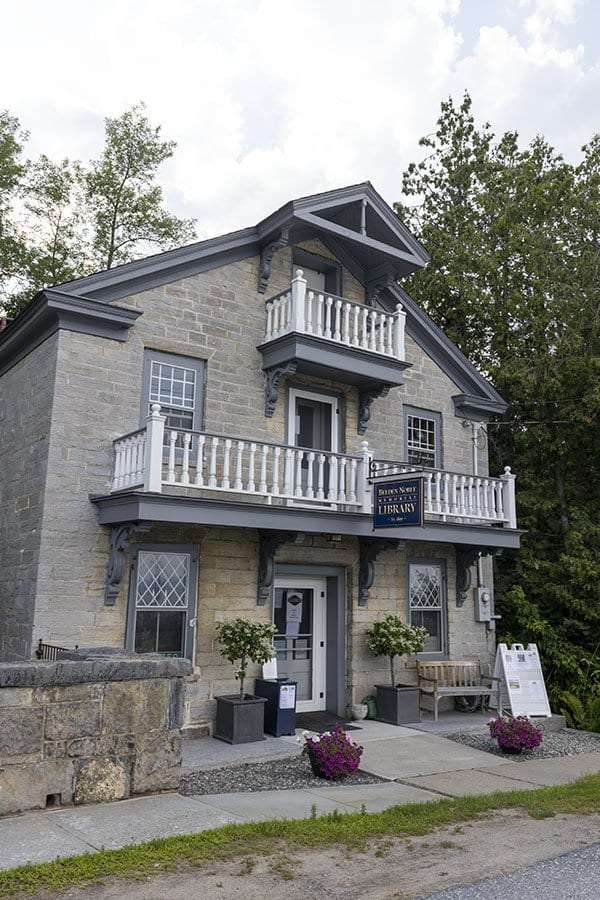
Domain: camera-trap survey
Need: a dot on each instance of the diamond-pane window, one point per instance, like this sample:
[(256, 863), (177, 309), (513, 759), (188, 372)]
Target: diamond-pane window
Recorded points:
[(426, 602), (162, 580)]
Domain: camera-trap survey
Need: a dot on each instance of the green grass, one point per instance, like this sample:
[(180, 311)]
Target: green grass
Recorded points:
[(241, 842)]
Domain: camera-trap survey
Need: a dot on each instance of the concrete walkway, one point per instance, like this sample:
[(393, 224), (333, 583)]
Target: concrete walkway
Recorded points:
[(417, 766)]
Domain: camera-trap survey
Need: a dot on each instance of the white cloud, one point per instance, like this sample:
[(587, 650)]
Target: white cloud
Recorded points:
[(272, 99)]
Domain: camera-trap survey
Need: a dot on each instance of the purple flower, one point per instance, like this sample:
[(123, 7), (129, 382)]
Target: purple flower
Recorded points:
[(333, 754), (515, 733)]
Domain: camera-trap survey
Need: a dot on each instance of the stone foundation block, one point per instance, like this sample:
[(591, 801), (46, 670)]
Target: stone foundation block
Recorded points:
[(21, 731), (102, 779), (30, 786), (157, 763), (65, 721)]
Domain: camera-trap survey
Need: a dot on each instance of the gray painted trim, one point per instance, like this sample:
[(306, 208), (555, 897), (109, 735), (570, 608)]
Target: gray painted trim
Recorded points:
[(52, 310), (165, 547), (201, 256), (336, 598), (411, 262), (161, 268), (443, 351), (136, 506), (174, 359), (317, 356), (445, 651), (436, 417), (466, 406)]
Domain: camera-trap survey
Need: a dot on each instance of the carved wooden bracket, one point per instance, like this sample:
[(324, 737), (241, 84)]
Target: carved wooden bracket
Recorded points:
[(273, 376), (369, 551), (366, 396), (376, 288), (266, 258), (466, 557), (120, 538), (268, 544)]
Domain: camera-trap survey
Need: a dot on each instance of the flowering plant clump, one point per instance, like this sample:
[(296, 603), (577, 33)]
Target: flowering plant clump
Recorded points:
[(515, 733), (332, 754)]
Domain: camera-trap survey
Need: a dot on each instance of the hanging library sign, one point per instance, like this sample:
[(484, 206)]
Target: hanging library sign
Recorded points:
[(399, 502)]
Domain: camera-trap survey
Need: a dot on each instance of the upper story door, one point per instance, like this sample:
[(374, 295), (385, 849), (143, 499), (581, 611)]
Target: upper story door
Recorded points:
[(313, 424), (315, 280)]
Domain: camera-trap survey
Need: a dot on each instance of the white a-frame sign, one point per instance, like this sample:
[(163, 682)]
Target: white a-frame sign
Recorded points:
[(521, 685)]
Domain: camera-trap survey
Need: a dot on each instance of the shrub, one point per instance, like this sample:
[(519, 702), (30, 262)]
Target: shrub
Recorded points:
[(244, 642), (582, 714), (515, 733), (392, 637), (332, 754)]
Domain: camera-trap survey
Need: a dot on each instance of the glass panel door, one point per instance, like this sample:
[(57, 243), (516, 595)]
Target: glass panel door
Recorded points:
[(299, 617)]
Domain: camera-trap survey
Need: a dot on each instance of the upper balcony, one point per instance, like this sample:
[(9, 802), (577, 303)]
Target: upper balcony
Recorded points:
[(320, 334)]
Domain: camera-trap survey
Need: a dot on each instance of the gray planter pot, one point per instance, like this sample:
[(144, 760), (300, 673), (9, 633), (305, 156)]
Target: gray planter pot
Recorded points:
[(397, 705), (240, 721)]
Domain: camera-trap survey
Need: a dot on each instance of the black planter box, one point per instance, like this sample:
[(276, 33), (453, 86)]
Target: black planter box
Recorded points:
[(398, 705), (278, 720), (240, 721)]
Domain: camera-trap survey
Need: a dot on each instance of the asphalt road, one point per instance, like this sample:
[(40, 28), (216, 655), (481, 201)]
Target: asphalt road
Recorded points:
[(572, 876)]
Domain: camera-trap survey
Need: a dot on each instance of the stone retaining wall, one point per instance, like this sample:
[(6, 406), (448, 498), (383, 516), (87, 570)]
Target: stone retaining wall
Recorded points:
[(89, 730)]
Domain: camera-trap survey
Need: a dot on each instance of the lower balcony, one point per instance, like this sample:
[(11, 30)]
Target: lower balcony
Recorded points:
[(215, 466)]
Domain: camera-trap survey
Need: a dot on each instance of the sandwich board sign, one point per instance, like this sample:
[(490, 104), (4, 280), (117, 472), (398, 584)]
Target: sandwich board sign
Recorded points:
[(521, 687)]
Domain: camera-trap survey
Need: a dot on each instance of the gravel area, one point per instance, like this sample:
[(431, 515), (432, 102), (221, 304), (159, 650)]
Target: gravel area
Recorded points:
[(275, 775), (566, 742)]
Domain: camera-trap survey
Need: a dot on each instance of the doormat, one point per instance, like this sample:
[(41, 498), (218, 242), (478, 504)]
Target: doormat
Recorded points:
[(322, 721)]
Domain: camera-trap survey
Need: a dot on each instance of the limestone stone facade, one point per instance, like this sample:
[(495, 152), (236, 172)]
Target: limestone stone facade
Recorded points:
[(64, 403)]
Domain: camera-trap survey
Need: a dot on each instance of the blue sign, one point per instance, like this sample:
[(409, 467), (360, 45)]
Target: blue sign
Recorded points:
[(397, 503)]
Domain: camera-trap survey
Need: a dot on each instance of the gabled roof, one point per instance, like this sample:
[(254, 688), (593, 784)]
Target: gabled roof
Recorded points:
[(354, 222), (335, 217)]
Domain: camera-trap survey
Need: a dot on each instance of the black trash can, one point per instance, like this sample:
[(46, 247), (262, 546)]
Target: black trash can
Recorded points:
[(280, 708)]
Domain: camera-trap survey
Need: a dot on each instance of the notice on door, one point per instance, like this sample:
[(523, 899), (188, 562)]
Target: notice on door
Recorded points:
[(397, 503), (287, 696)]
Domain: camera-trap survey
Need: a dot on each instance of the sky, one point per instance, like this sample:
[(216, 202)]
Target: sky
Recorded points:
[(274, 99)]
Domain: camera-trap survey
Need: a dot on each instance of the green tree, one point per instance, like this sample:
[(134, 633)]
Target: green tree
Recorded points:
[(123, 200), (514, 237), (56, 228), (78, 218), (12, 172)]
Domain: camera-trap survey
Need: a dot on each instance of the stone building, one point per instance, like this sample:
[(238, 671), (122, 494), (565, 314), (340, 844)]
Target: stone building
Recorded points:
[(195, 436)]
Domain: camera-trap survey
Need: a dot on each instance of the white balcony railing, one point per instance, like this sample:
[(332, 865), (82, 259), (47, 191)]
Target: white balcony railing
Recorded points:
[(336, 319), (278, 473)]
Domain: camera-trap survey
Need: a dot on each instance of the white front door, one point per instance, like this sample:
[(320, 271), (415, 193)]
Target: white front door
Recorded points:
[(300, 617)]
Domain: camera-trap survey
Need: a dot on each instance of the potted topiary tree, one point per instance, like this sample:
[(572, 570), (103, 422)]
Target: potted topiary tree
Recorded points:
[(391, 637), (240, 717)]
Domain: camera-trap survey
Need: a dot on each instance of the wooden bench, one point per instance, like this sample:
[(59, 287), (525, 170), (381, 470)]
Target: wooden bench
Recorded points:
[(455, 678)]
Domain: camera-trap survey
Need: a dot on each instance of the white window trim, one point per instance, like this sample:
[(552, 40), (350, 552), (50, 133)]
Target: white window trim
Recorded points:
[(333, 401), (431, 415)]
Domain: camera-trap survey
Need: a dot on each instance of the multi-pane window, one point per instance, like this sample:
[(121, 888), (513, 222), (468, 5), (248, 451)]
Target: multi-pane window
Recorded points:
[(161, 602), (426, 603), (175, 382), (422, 440), (174, 387)]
